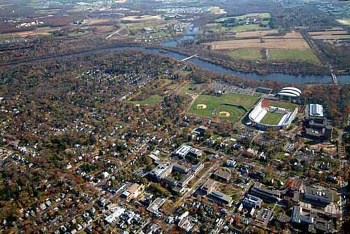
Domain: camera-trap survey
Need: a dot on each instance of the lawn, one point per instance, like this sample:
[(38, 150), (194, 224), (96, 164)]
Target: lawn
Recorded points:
[(228, 104), (246, 53), (154, 99), (293, 55), (248, 27), (272, 118), (190, 89), (217, 27), (285, 105), (261, 15)]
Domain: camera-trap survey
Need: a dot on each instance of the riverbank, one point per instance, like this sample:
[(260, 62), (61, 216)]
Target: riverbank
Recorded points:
[(202, 63)]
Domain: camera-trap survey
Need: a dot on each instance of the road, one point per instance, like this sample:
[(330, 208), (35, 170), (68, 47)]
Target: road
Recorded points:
[(201, 180), (116, 32)]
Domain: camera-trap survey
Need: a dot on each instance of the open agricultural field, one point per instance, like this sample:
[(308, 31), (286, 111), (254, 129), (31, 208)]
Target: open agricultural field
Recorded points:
[(293, 55), (230, 107), (272, 118), (290, 41), (41, 31), (246, 53), (330, 35), (260, 33), (290, 47), (248, 27), (274, 55)]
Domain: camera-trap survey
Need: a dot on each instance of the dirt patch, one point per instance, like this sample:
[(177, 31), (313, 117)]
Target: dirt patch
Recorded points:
[(224, 114), (218, 10), (44, 31), (201, 106), (97, 21)]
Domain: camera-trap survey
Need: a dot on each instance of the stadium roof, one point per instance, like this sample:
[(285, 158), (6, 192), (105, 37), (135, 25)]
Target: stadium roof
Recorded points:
[(292, 89), (289, 93)]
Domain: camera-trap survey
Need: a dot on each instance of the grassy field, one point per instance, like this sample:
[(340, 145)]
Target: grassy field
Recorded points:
[(261, 15), (248, 27), (333, 34), (154, 99), (274, 55), (190, 89), (293, 55), (218, 26), (272, 118), (222, 104), (246, 53), (260, 33), (285, 105)]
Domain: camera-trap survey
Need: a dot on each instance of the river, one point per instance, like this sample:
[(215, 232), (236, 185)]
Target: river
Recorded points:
[(280, 77)]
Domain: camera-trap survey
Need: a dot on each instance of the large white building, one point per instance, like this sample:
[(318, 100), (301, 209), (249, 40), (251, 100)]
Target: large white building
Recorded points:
[(259, 112), (316, 110), (290, 92)]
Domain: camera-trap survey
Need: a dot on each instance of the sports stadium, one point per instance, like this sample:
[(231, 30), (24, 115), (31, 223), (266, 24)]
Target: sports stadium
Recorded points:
[(289, 92), (272, 115)]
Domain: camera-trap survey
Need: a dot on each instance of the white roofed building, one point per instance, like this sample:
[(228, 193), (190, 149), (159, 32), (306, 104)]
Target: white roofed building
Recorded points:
[(290, 92), (316, 110)]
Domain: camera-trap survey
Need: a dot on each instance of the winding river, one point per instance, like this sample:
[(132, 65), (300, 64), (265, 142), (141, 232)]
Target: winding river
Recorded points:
[(280, 77)]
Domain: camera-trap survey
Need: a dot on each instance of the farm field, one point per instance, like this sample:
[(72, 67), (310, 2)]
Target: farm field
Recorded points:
[(290, 41), (330, 35), (293, 55), (259, 33), (272, 118), (248, 27), (42, 31), (230, 107), (246, 53), (274, 55)]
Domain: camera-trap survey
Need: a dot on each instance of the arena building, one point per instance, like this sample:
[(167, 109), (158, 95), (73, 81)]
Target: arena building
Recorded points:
[(289, 92), (263, 114)]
